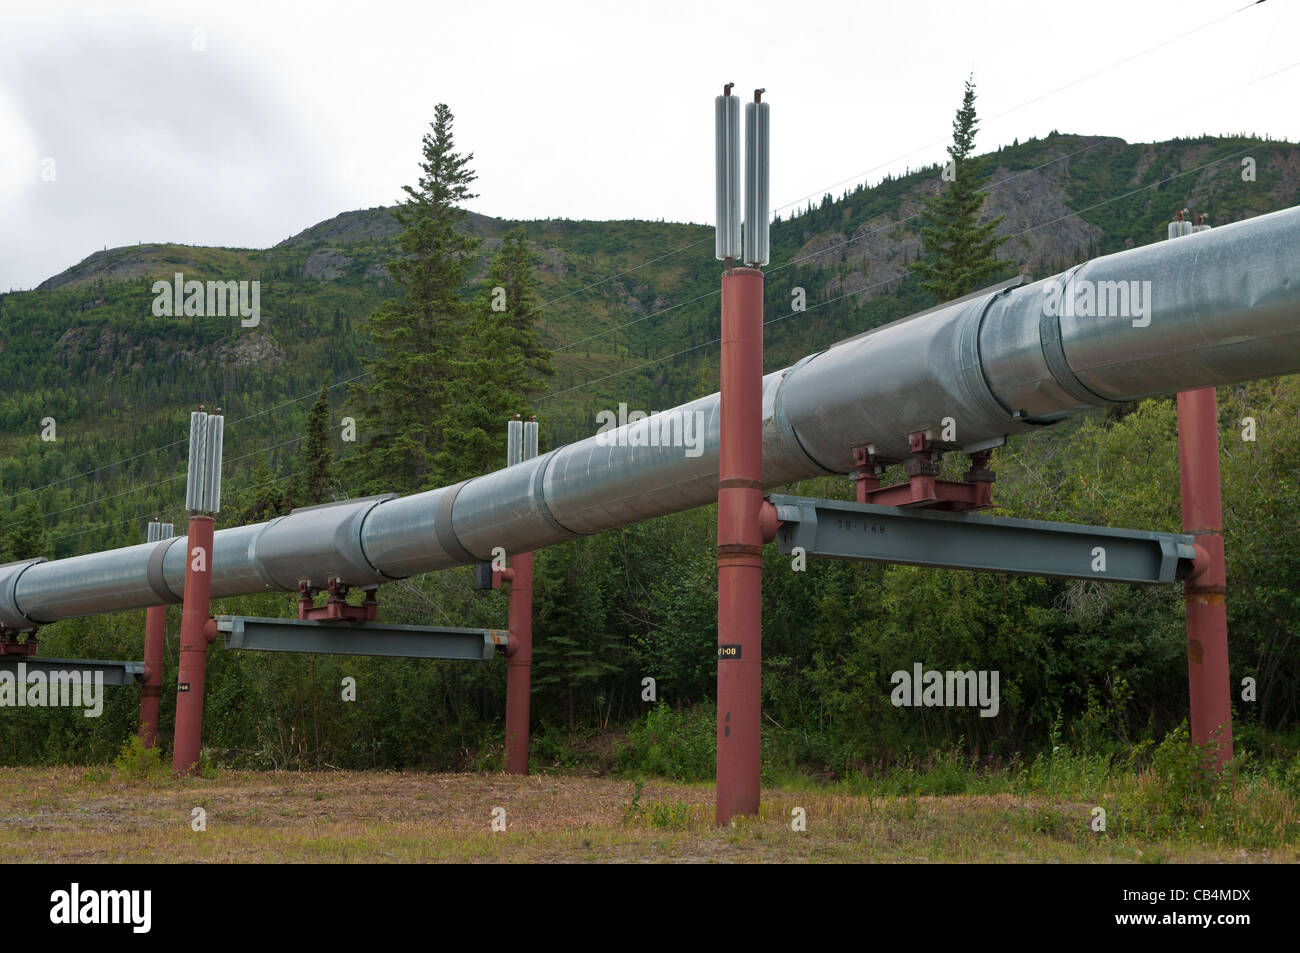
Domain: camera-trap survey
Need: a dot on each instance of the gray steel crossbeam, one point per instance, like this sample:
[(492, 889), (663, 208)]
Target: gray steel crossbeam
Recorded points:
[(359, 638), (864, 531), (115, 672)]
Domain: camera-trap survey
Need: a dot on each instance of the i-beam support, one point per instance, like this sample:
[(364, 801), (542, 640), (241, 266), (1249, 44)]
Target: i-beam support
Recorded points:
[(113, 672), (870, 533), (359, 638)]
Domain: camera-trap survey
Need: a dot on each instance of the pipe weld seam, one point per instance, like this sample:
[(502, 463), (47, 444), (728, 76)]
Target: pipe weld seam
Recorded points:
[(154, 571), (442, 528), (972, 359), (255, 559), (783, 425), (10, 596), (539, 494), (1053, 347), (361, 537)]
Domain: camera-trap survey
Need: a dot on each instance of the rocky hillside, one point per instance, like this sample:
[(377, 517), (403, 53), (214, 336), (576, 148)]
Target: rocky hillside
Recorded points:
[(631, 311)]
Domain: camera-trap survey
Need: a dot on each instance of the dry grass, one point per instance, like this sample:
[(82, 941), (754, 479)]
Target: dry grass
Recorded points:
[(71, 815)]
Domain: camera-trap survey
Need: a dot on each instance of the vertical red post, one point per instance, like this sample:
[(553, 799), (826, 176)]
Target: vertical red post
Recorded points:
[(195, 612), (519, 661), (155, 621), (740, 544), (1206, 591)]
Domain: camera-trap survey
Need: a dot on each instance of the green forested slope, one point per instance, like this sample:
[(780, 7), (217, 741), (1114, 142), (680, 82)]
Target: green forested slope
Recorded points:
[(632, 314)]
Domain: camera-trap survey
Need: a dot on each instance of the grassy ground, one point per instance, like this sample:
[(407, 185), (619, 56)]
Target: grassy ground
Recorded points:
[(98, 816)]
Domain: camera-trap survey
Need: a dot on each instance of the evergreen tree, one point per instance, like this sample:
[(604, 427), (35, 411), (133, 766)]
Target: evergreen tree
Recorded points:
[(961, 254), (263, 499), (418, 338), (516, 305), (25, 539), (318, 456), (499, 370), (491, 382), (580, 651)]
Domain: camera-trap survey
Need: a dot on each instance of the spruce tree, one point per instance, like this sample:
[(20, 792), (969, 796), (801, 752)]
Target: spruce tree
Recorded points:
[(417, 338), (262, 497), (491, 382), (961, 254), (503, 366), (318, 456), (26, 538), (517, 306)]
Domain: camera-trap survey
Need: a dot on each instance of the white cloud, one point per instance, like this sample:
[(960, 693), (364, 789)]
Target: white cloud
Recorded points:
[(295, 112)]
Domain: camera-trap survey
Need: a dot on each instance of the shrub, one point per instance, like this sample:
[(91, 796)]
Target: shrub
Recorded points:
[(135, 762), (667, 814), (681, 745)]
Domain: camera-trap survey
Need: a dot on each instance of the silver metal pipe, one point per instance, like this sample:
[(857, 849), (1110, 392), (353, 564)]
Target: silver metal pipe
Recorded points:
[(1215, 307), (514, 441)]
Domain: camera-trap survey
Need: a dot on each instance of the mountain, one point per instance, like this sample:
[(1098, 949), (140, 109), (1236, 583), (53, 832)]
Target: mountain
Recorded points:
[(631, 310)]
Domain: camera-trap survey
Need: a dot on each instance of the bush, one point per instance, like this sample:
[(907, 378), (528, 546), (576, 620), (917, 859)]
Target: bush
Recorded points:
[(1243, 803), (680, 745), (135, 762)]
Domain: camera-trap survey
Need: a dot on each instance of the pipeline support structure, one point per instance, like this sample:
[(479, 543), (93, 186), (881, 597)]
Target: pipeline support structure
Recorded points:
[(1205, 592), (155, 629), (521, 445), (740, 545)]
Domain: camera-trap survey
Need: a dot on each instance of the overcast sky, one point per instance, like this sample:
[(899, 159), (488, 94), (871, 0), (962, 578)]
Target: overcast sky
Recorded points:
[(242, 123)]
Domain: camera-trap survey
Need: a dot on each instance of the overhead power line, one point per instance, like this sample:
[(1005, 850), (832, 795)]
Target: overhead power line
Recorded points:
[(898, 278)]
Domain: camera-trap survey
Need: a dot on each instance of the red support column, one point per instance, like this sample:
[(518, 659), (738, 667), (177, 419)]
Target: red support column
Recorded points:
[(740, 544), (195, 612), (519, 664), (1206, 590), (155, 622)]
